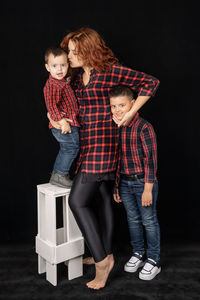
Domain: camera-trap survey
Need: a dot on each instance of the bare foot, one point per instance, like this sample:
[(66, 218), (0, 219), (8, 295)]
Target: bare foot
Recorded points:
[(103, 269), (88, 261)]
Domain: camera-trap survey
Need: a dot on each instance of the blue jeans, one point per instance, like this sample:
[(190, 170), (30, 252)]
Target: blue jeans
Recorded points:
[(69, 148), (141, 217)]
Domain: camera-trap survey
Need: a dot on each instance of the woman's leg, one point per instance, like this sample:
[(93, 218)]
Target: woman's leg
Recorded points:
[(80, 199), (105, 213), (103, 203)]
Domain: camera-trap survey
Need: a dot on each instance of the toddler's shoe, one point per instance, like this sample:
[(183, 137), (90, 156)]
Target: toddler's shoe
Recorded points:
[(134, 263), (150, 270), (61, 180)]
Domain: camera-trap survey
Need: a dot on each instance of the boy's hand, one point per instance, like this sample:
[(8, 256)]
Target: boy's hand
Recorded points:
[(147, 194), (146, 198), (65, 127), (116, 196)]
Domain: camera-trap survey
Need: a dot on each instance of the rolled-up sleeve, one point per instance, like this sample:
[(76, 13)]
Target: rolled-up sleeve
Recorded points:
[(140, 82)]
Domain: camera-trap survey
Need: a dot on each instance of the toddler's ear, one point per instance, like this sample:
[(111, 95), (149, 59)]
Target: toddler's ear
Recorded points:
[(47, 67)]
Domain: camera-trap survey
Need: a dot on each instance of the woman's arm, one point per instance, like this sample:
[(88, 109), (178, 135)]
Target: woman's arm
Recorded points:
[(142, 84)]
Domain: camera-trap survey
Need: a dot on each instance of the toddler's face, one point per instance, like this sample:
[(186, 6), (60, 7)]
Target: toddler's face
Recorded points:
[(120, 105), (57, 66)]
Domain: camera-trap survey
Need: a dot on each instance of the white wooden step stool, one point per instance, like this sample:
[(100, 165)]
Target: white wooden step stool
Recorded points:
[(54, 246)]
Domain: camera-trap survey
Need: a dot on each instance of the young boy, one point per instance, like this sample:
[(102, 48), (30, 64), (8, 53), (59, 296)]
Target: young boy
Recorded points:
[(61, 104), (138, 186)]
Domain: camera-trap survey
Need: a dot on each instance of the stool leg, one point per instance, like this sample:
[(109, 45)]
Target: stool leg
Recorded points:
[(41, 229), (51, 269), (51, 274), (50, 219), (65, 223), (41, 265), (75, 267)]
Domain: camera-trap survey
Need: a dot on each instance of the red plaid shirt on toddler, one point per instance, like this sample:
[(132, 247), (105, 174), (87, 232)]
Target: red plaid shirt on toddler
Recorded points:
[(60, 101)]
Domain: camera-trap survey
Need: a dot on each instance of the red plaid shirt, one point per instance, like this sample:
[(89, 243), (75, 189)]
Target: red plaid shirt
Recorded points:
[(138, 150), (99, 135), (60, 100)]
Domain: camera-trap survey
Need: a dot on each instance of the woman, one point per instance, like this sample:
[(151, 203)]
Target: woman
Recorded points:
[(99, 135)]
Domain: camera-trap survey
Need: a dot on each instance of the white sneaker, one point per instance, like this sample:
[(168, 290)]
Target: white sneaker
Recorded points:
[(134, 263), (150, 270)]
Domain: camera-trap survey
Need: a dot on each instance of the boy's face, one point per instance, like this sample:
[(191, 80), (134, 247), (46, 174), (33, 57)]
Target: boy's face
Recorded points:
[(57, 66), (120, 105)]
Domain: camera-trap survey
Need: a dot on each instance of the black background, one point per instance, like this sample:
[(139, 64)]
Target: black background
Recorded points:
[(160, 38)]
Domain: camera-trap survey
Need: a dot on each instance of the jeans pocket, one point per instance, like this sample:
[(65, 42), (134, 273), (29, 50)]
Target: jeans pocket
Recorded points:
[(140, 181), (56, 133)]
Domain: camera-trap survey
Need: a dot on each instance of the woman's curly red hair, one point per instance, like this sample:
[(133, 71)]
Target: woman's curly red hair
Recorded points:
[(91, 48)]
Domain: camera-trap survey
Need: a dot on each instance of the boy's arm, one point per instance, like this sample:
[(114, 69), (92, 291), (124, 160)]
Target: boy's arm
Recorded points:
[(53, 123), (150, 163), (52, 95), (57, 124), (149, 144)]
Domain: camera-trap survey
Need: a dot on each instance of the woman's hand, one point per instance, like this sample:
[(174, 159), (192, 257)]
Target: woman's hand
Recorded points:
[(125, 120), (139, 102)]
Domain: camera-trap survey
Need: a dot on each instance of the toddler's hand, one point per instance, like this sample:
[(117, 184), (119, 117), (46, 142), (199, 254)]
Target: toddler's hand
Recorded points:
[(53, 123), (65, 127)]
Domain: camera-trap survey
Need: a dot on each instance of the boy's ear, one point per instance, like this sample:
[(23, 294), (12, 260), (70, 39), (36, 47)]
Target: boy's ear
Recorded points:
[(47, 67), (132, 101)]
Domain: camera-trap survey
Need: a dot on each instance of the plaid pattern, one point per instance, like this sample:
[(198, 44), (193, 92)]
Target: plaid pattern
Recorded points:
[(138, 150), (60, 100), (99, 135)]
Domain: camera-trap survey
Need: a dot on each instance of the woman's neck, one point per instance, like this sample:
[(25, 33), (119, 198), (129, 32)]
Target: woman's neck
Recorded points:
[(87, 70), (86, 74)]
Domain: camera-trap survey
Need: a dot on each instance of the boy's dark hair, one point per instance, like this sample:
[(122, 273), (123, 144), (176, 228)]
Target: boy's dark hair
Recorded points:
[(56, 51), (121, 90)]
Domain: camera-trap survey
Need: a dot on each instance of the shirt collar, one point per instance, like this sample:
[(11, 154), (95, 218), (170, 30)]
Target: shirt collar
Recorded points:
[(135, 118), (57, 80)]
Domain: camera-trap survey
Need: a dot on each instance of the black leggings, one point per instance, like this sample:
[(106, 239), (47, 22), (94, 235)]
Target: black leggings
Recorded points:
[(97, 229)]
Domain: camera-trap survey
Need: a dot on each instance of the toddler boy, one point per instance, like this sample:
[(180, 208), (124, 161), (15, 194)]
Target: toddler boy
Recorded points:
[(61, 103), (138, 186)]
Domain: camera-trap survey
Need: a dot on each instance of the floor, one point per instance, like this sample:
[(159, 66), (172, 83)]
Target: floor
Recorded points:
[(179, 279)]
